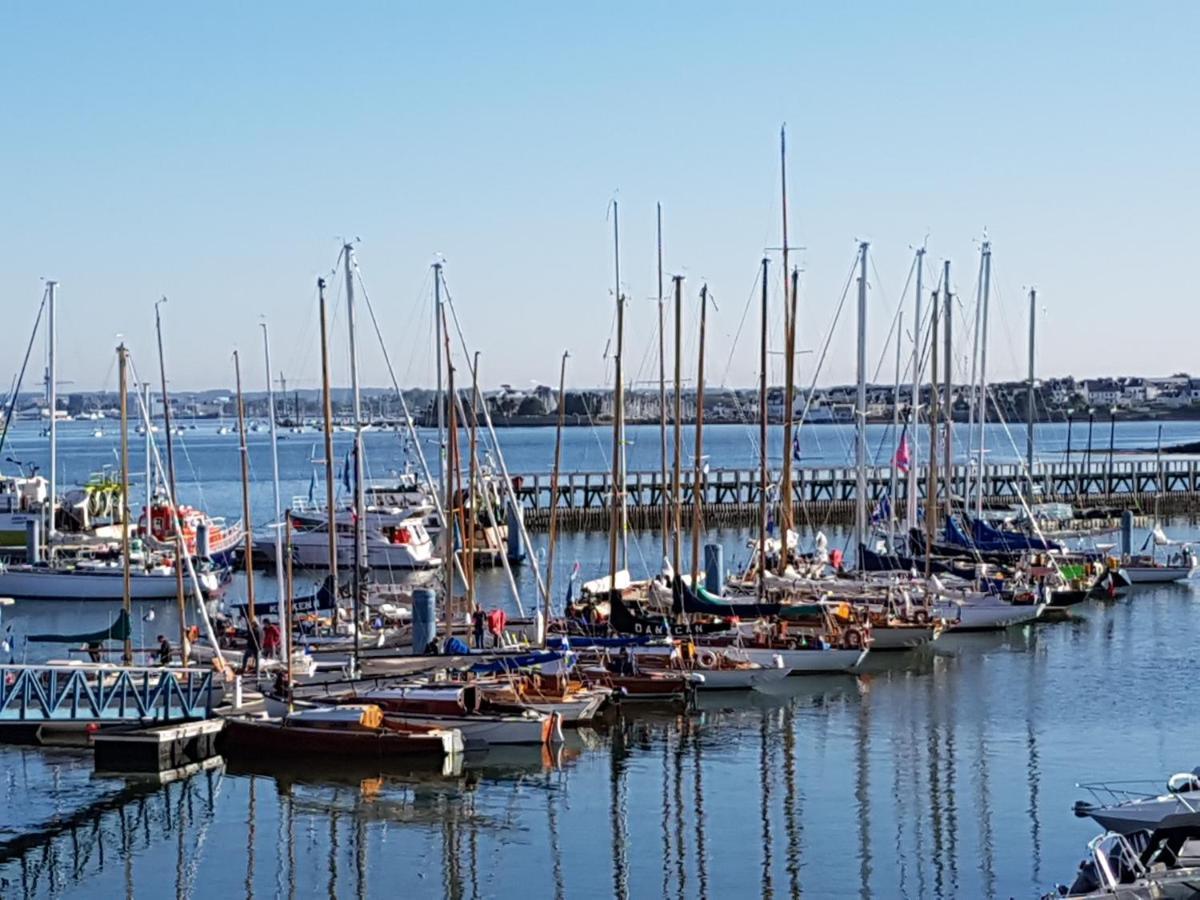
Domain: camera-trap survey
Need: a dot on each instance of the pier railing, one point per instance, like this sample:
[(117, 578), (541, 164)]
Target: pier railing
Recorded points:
[(731, 496), (104, 694)]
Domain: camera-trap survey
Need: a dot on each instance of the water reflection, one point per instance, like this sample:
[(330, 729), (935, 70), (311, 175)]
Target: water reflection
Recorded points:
[(923, 765)]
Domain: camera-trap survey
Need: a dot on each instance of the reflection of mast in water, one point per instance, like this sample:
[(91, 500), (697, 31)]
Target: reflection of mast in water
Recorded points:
[(933, 751), (680, 832), (291, 844), (360, 854), (764, 767), (701, 851), (251, 814), (862, 796), (452, 880), (555, 848), (791, 800), (987, 861), (666, 811), (333, 852), (620, 855)]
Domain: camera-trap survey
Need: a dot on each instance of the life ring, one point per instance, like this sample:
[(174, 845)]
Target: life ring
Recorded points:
[(921, 617), (791, 645), (706, 659), (853, 639)]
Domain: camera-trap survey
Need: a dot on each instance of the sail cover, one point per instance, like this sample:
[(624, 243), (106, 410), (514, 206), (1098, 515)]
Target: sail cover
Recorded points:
[(117, 631)]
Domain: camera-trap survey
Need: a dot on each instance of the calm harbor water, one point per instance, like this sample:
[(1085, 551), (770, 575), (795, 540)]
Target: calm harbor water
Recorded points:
[(947, 772)]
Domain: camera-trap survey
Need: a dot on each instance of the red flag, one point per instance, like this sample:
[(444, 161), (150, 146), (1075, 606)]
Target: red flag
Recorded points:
[(902, 460)]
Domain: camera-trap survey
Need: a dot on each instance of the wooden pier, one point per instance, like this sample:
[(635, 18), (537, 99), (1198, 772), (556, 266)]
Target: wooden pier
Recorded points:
[(827, 495)]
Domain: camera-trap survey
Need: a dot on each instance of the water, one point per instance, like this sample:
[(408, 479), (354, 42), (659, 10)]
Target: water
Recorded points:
[(947, 772)]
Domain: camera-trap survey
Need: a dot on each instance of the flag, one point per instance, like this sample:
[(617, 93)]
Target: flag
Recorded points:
[(883, 510), (312, 487), (571, 586), (796, 445), (346, 472), (903, 458), (771, 523)]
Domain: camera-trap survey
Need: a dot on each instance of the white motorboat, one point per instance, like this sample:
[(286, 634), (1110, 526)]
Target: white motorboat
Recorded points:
[(394, 544), (1126, 806), (904, 637), (810, 661)]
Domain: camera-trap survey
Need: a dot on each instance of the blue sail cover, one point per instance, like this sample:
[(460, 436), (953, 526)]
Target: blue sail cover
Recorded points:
[(512, 663), (988, 539)]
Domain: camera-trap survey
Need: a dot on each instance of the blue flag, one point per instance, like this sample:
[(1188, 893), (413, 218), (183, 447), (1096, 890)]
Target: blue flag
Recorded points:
[(312, 486), (346, 472), (796, 446), (883, 510)]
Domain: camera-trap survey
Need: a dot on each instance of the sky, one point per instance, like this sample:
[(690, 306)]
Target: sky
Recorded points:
[(220, 154)]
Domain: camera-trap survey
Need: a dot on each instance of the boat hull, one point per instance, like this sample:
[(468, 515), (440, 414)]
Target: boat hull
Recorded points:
[(807, 662), (987, 616), (1157, 574), (884, 638), (249, 736), (483, 731), (741, 679), (44, 584)]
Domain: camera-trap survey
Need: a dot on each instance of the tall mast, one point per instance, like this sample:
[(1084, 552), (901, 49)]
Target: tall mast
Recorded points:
[(180, 548), (468, 538), (438, 400), (860, 417), (245, 453), (763, 476), (52, 402), (617, 514), (789, 405), (931, 488), (360, 510), (126, 578), (327, 415), (973, 384), (147, 451), (279, 550), (948, 461), (914, 413), (983, 384), (677, 475), (552, 537), (698, 482), (1029, 398), (451, 492), (892, 501), (662, 388), (790, 280)]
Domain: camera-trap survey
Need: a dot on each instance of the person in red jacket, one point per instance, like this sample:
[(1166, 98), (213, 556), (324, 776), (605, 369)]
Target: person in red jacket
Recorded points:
[(272, 638)]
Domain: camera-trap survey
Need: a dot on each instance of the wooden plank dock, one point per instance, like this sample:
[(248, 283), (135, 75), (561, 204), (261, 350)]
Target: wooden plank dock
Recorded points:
[(827, 495)]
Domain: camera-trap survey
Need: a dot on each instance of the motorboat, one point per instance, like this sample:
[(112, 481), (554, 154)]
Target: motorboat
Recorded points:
[(393, 542), (94, 579), (204, 536), (1126, 807), (1141, 865)]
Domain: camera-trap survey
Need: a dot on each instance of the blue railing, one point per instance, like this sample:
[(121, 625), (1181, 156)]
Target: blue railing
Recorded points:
[(97, 693)]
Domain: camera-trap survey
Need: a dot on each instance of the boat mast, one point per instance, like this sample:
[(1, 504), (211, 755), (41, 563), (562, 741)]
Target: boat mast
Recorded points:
[(931, 488), (677, 475), (698, 482), (892, 512), (553, 534), (617, 513), (327, 412), (180, 548), (52, 401), (914, 413), (147, 451), (983, 384), (662, 387), (279, 550), (860, 444), (763, 475), (972, 387), (438, 399), (472, 474), (249, 531), (1029, 398), (451, 493), (948, 310), (285, 605), (126, 577), (360, 511), (789, 366)]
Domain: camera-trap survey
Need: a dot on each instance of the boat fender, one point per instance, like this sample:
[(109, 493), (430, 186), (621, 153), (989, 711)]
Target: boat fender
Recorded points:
[(706, 658)]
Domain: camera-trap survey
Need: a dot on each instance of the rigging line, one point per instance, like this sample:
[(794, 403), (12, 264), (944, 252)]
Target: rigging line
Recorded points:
[(12, 403), (825, 347), (741, 324)]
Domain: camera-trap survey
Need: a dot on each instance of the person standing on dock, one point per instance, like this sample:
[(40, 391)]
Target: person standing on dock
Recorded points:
[(272, 639), (253, 644), (164, 650), (478, 623)]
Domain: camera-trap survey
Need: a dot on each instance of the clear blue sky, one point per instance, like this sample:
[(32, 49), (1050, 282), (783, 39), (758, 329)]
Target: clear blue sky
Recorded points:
[(215, 155)]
